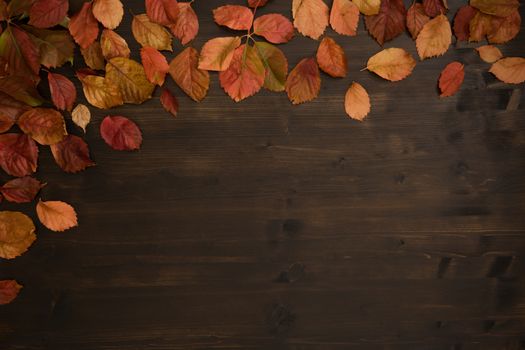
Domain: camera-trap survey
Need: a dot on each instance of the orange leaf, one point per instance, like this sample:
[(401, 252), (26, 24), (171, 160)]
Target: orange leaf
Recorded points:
[(130, 79), (83, 26), (510, 70), (48, 13), (113, 45), (148, 33), (120, 133), (389, 22), (45, 125), (332, 58), (451, 79), (274, 27), (17, 233), (304, 81), (217, 53), (18, 154), (169, 102), (56, 216), (489, 53), (435, 38), (434, 8), (368, 7), (63, 92), (234, 17), (72, 154), (9, 290), (504, 28), (163, 12), (310, 17), (187, 25), (155, 65), (192, 80), (276, 65), (93, 56), (416, 19), (108, 12), (392, 64), (500, 8), (357, 102), (21, 190), (462, 22), (99, 92), (344, 17)]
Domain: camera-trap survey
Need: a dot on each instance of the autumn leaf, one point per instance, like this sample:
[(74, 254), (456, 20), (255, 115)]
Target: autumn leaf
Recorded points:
[(19, 7), (155, 65), (434, 8), (6, 123), (500, 8), (462, 22), (113, 45), (504, 29), (510, 70), (357, 102), (234, 17), (108, 12), (276, 66), (120, 133), (21, 190), (257, 3), (56, 47), (18, 154), (187, 25), (304, 81), (148, 33), (63, 92), (20, 88), (368, 7), (72, 154), (81, 116), (489, 53), (93, 56), (274, 27), (48, 13), (163, 12), (245, 75), (451, 79), (19, 53), (17, 233), (310, 17), (130, 79), (480, 26), (9, 290), (344, 17), (99, 93), (389, 22), (185, 72), (83, 26), (169, 102), (332, 58), (392, 64), (416, 19), (435, 38), (10, 109), (45, 125), (56, 216), (217, 53)]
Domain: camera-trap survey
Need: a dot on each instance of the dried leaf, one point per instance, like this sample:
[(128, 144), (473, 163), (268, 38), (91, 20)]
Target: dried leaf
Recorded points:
[(310, 17), (56, 216), (504, 29), (217, 53), (120, 133), (192, 80), (276, 66), (389, 22), (9, 290), (108, 12), (18, 154), (19, 7), (148, 33), (451, 79), (234, 17), (489, 53), (20, 88), (304, 81), (93, 56), (435, 38), (332, 58), (357, 102), (392, 64), (344, 17), (81, 116), (257, 3), (368, 7), (11, 108), (72, 154), (6, 122), (245, 75), (83, 26), (17, 233), (99, 93), (462, 22), (480, 26), (416, 19), (510, 70), (163, 12), (500, 8), (187, 25), (48, 13), (169, 102), (434, 8), (113, 45), (56, 46), (19, 53), (45, 125), (63, 92), (155, 65), (274, 27), (21, 190), (130, 79)]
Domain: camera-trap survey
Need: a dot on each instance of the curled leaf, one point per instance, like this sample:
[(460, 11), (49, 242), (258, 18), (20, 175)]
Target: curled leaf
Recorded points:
[(344, 17), (389, 22), (217, 53), (81, 116), (48, 13), (163, 12), (130, 79), (17, 233), (310, 17), (357, 102), (274, 27), (83, 26), (120, 133), (489, 53), (234, 17), (21, 190), (18, 154), (304, 81), (187, 25), (332, 58), (276, 66), (9, 290), (108, 12), (113, 45), (72, 154), (435, 38), (63, 92), (148, 33), (169, 102), (451, 79), (155, 65), (510, 70), (184, 70), (56, 216), (45, 125), (392, 64)]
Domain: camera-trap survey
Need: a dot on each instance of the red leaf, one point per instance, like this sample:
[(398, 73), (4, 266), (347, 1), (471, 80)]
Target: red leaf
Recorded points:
[(332, 58), (18, 154), (462, 22), (9, 290), (434, 8), (155, 65), (164, 12), (389, 22), (451, 79), (84, 26), (48, 13), (187, 25), (257, 3), (169, 102), (304, 81), (274, 27), (234, 17), (72, 154), (63, 92), (10, 110), (120, 133), (21, 190), (20, 53)]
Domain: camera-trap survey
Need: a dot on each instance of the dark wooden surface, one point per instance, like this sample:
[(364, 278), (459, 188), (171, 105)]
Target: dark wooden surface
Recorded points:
[(260, 225)]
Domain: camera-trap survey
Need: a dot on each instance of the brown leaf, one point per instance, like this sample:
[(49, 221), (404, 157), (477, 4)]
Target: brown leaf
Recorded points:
[(45, 125), (56, 46), (480, 26), (332, 58), (344, 17), (504, 29), (304, 81), (19, 53), (217, 53), (192, 80), (56, 216), (130, 79), (93, 56), (357, 102), (148, 33), (510, 70), (120, 133), (113, 45), (489, 53), (11, 108), (187, 25), (416, 19), (234, 17), (48, 13), (435, 38), (274, 27), (83, 26), (392, 64), (17, 233), (462, 22), (72, 154), (99, 93), (389, 22), (368, 7), (310, 17), (9, 290), (276, 66), (18, 154), (155, 65), (434, 8), (81, 116), (451, 79), (163, 12), (500, 8), (63, 92), (6, 122), (108, 12), (21, 190), (169, 102), (21, 89)]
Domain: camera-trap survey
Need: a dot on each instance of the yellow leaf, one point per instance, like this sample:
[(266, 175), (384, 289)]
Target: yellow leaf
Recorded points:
[(510, 70), (130, 79), (108, 12), (368, 7), (489, 53), (357, 102), (81, 116), (148, 33), (392, 64), (56, 216), (310, 17), (100, 94), (435, 37), (17, 233)]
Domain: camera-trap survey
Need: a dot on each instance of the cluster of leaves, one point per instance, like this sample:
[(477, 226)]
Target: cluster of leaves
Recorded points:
[(38, 36)]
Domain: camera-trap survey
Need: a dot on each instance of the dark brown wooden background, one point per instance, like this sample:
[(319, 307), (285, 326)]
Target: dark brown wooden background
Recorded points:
[(259, 225)]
